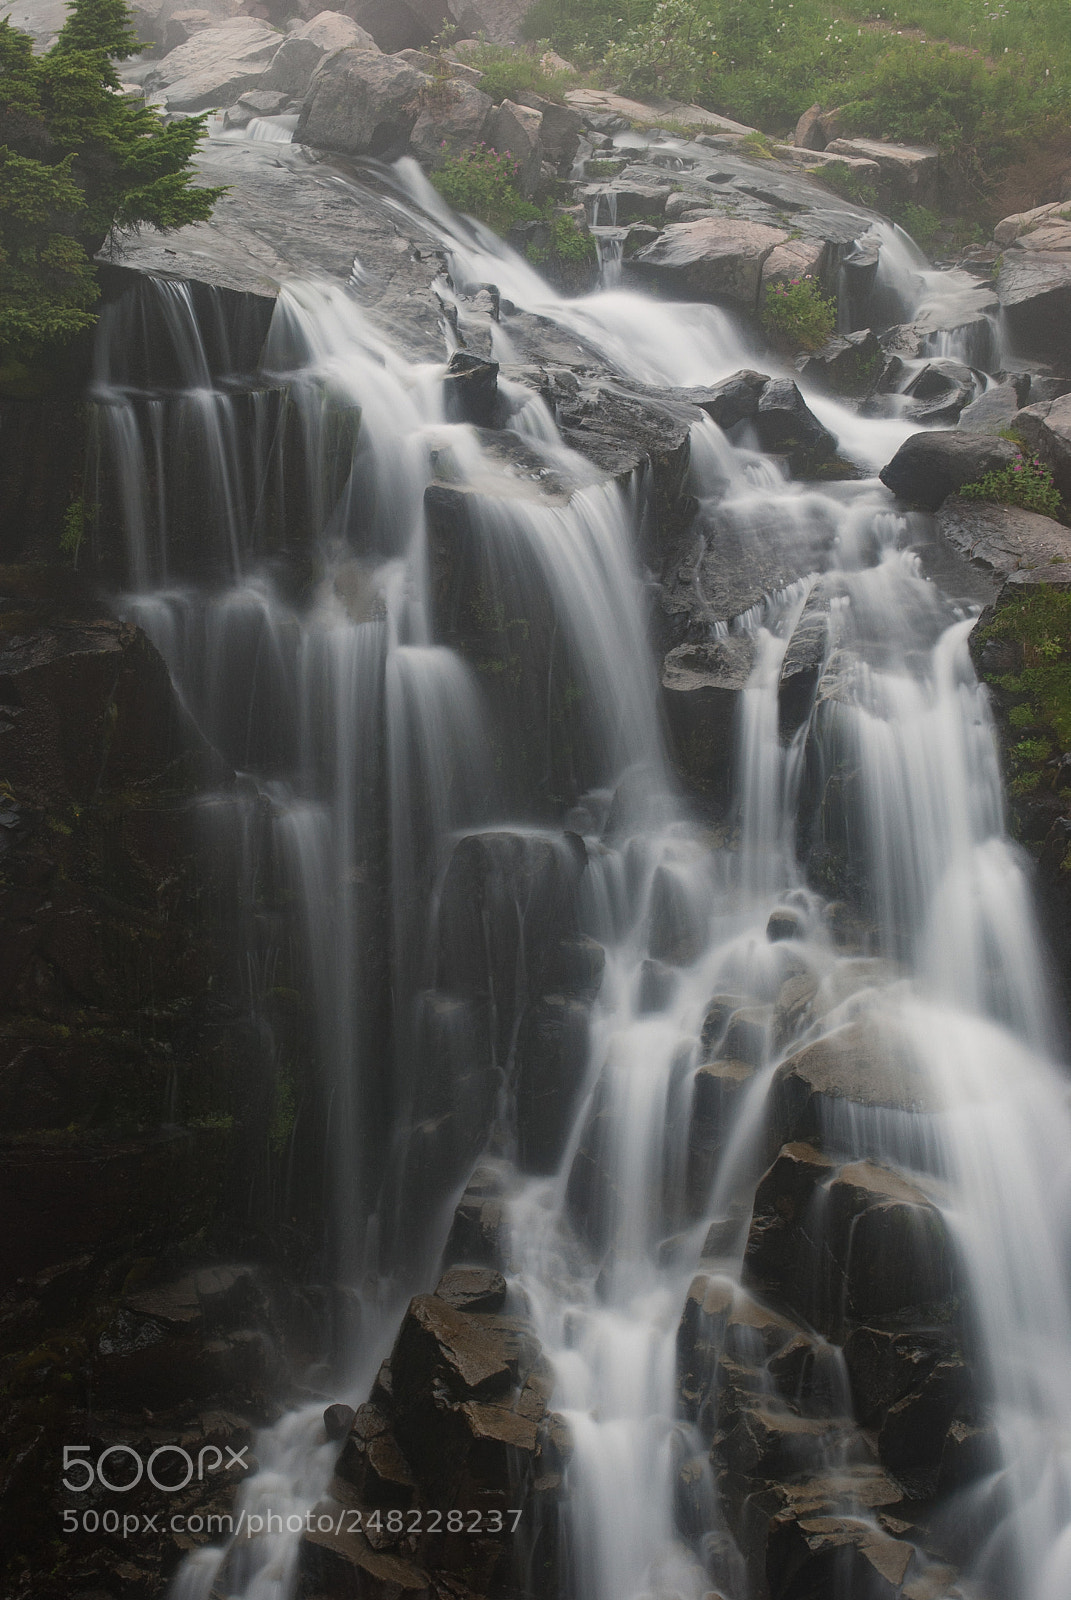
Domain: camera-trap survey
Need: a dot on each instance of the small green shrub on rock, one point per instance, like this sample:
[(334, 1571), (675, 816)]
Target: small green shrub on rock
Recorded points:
[(482, 183), (799, 314), (1024, 483), (845, 180)]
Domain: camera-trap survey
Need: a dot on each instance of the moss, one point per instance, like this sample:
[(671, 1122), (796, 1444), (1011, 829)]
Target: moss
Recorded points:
[(1039, 629)]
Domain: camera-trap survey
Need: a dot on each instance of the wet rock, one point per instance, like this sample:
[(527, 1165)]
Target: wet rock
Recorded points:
[(361, 102), (455, 118), (928, 467), (701, 686), (1001, 540), (783, 923), (836, 1554), (472, 1289), (1034, 287), (470, 390), (716, 1091), (747, 1035), (787, 427), (552, 1052), (859, 1065), (849, 364), (908, 171), (1046, 431), (799, 258), (338, 1420), (715, 258), (885, 1365), (677, 930), (478, 1233), (621, 203), (181, 27), (734, 400), (346, 1564), (913, 1431), (302, 51), (802, 666), (577, 967), (215, 65), (715, 1023), (793, 1007), (941, 390), (658, 983)]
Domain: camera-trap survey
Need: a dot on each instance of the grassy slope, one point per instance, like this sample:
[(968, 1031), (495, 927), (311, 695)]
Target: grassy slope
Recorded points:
[(990, 84)]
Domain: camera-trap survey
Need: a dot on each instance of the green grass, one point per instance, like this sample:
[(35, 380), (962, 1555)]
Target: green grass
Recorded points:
[(1041, 626), (1006, 84), (508, 73)]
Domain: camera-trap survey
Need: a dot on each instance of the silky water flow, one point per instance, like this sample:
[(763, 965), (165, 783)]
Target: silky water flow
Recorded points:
[(350, 721)]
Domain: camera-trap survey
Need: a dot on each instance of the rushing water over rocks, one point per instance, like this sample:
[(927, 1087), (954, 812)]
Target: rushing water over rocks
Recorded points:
[(800, 1045)]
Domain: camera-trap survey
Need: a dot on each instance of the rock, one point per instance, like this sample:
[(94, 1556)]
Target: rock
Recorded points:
[(677, 924), (818, 1092), (884, 1365), (1010, 229), (470, 389), (913, 1431), (338, 1420), (624, 202), (559, 131), (361, 103), (437, 1341), (516, 129), (400, 24), (552, 1049), (994, 411), (1002, 540), (909, 171), (499, 21), (1046, 430), (215, 65), (809, 134), (783, 923), (928, 467), (825, 1555), (1035, 293), (797, 258), (454, 118), (786, 426), (472, 1289), (802, 665), (849, 364), (701, 686), (734, 400), (302, 51), (715, 258), (182, 25)]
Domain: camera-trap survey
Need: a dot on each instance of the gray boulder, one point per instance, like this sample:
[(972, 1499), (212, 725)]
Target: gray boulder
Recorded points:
[(928, 467), (216, 65), (714, 258), (1005, 539), (701, 687), (1034, 287), (454, 118), (908, 171), (299, 55), (1046, 430), (182, 25), (362, 102), (400, 24), (849, 364), (517, 129)]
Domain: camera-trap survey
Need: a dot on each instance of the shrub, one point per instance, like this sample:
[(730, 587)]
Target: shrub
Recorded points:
[(920, 222), (77, 159), (845, 180), (569, 243), (508, 73), (1024, 483), (799, 314), (1040, 625), (483, 183), (670, 53)]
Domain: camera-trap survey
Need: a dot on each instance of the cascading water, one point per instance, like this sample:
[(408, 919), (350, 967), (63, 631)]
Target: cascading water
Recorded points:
[(354, 719)]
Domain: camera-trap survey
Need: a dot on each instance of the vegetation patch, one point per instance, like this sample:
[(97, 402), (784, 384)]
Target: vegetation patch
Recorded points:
[(798, 314), (482, 183), (509, 73), (568, 243), (77, 159), (1040, 625), (1025, 483)]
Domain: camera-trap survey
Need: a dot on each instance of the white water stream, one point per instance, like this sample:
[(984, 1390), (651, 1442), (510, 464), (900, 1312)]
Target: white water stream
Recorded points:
[(964, 974)]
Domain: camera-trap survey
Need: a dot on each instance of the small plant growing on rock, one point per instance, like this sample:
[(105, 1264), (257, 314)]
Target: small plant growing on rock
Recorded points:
[(758, 146), (846, 181), (670, 53), (1024, 483), (1040, 627), (483, 183), (508, 73), (798, 314)]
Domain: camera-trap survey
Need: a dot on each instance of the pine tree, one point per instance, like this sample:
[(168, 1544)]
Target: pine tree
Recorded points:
[(78, 159)]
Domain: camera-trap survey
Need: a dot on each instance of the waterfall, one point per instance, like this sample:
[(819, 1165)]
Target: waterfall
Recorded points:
[(364, 703)]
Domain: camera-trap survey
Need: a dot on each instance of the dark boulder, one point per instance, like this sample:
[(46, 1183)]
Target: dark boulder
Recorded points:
[(1046, 430), (849, 364), (786, 426), (928, 467), (470, 390)]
